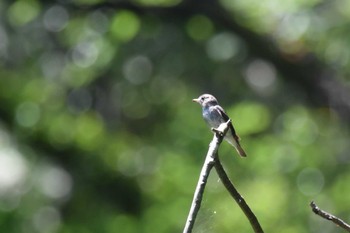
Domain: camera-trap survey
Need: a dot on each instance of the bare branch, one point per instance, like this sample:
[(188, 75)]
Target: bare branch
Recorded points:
[(212, 159), (203, 177), (339, 222), (238, 197)]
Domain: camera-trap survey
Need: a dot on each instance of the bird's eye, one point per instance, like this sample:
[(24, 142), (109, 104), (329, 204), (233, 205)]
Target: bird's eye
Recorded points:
[(203, 98)]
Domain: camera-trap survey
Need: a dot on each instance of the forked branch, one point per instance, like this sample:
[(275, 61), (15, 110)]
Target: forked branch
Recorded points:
[(203, 177), (211, 160)]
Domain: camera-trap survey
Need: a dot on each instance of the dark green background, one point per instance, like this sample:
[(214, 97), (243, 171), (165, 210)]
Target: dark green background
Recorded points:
[(98, 132)]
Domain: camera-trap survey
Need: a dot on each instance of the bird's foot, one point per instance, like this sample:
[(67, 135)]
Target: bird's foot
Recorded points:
[(217, 130), (221, 129)]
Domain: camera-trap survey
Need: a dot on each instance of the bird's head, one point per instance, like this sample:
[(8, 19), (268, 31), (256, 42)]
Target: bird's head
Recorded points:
[(206, 100)]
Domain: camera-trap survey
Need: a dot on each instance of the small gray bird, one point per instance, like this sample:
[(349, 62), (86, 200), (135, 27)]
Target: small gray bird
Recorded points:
[(215, 115)]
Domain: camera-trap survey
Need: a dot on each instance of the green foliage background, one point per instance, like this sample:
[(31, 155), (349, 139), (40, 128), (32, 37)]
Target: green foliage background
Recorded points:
[(98, 132)]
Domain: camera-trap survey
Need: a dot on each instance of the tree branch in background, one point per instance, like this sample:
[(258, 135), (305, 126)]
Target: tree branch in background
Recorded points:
[(212, 159), (339, 222), (237, 196)]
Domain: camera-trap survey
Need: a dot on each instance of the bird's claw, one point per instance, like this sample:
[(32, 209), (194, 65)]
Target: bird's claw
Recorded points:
[(218, 131), (221, 129)]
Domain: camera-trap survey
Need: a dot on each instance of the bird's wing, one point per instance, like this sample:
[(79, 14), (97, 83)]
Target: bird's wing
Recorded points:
[(226, 118), (222, 112)]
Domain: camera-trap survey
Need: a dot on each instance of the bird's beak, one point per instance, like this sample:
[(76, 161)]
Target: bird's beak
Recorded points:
[(195, 100)]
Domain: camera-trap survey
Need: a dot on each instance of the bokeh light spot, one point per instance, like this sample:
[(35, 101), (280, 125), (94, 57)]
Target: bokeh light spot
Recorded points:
[(93, 124), (99, 21), (13, 170), (249, 117), (310, 181), (299, 126), (222, 47), (125, 25), (286, 158), (136, 162), (55, 182), (129, 164), (56, 18), (27, 114), (260, 75), (23, 11), (85, 54), (199, 27), (137, 69), (292, 27)]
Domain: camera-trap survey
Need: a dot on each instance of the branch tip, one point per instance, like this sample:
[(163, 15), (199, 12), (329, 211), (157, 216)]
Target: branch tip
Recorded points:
[(337, 221)]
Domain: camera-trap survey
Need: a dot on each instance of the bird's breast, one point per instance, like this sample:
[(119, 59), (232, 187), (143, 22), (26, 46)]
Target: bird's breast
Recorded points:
[(212, 117)]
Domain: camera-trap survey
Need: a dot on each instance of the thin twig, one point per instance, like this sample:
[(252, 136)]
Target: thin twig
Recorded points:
[(237, 196), (207, 166), (339, 222)]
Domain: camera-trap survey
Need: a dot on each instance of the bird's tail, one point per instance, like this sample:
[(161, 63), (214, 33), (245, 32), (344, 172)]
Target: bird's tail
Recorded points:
[(240, 150), (235, 143)]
